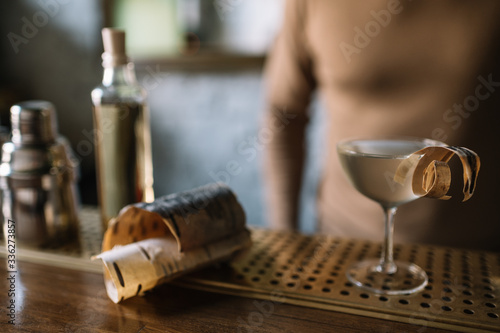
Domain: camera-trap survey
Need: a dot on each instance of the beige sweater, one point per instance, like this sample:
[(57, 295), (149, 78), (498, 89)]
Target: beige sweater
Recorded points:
[(414, 68)]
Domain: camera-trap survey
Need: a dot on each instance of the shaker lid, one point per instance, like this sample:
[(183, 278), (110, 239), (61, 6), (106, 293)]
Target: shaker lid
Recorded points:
[(33, 122), (114, 47)]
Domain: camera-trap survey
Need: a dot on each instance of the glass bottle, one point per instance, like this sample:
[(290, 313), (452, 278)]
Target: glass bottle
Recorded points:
[(122, 135)]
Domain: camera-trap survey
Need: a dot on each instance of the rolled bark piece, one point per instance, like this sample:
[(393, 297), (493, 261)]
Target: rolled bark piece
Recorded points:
[(132, 269), (194, 218), (151, 243), (432, 175)]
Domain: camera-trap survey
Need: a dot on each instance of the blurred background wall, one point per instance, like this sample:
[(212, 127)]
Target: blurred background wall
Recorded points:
[(201, 63)]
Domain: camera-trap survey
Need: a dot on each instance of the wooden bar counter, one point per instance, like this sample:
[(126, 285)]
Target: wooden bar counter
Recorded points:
[(54, 299), (286, 282)]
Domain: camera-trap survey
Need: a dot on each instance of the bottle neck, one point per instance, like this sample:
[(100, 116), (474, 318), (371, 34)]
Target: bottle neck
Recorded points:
[(119, 75)]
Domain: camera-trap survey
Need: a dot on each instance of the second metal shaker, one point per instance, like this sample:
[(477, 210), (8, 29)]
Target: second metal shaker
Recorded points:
[(38, 177)]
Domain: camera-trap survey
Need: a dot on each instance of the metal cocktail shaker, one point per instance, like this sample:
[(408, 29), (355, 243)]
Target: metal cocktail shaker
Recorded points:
[(38, 175)]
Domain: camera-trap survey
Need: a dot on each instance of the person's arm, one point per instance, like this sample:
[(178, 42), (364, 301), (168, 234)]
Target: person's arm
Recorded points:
[(289, 86)]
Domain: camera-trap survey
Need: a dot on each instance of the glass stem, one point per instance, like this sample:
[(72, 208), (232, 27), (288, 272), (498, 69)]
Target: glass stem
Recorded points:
[(387, 264)]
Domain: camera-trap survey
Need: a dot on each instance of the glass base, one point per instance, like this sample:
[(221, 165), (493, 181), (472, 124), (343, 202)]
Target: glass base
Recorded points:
[(407, 279)]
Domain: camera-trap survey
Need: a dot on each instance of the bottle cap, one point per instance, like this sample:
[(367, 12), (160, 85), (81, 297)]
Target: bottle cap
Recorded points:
[(114, 47), (33, 122)]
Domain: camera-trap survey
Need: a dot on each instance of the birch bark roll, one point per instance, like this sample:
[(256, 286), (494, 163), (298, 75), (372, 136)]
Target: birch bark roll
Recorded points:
[(132, 269), (150, 243)]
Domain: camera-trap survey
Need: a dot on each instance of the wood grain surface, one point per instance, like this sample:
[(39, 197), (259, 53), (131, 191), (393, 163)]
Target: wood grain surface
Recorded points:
[(52, 299)]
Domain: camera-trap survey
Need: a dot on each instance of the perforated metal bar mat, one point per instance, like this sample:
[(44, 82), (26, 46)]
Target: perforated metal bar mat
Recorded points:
[(463, 293)]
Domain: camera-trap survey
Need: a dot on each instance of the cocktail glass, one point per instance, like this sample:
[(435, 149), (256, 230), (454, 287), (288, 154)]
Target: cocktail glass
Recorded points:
[(370, 165)]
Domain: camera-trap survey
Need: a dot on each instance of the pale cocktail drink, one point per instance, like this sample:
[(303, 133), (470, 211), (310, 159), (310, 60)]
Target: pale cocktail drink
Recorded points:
[(371, 165)]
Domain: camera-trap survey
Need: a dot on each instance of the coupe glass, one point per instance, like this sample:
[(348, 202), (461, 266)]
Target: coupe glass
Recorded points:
[(370, 166)]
